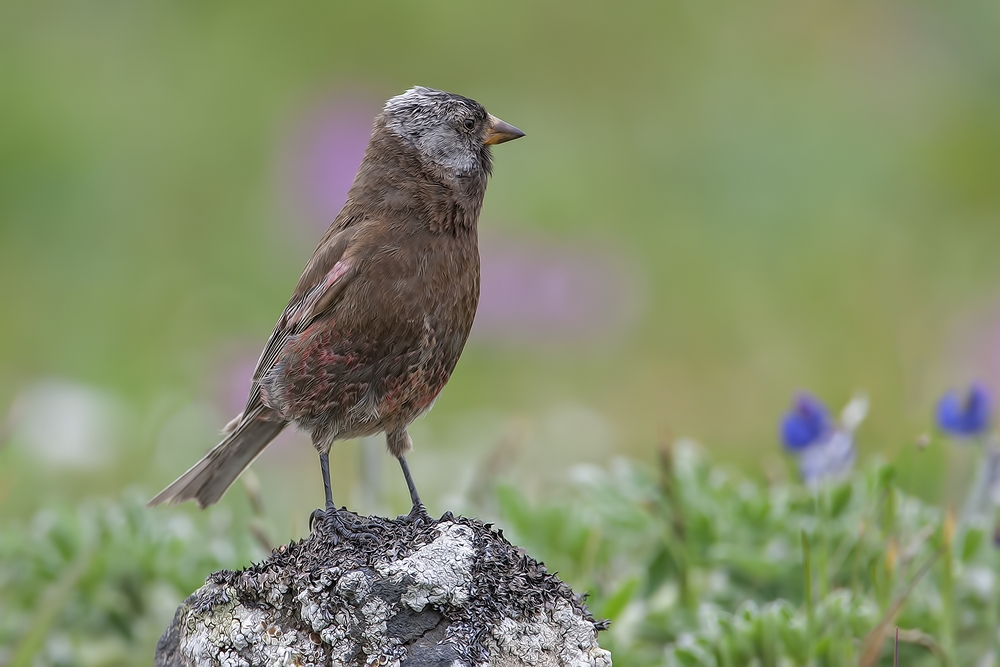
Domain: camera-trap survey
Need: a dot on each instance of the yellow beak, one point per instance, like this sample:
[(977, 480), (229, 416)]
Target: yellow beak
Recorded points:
[(500, 132)]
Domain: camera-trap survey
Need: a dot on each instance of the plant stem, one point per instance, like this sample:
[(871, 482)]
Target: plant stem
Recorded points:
[(807, 566), (677, 529), (948, 587), (977, 499), (824, 543)]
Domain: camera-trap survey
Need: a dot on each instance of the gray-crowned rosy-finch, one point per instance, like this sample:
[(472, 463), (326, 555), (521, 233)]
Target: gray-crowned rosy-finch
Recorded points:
[(382, 311)]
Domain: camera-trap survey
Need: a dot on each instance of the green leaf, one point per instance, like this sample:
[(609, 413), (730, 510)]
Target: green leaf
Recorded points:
[(840, 498), (661, 567), (793, 635), (694, 657), (886, 474), (614, 605), (970, 545), (823, 645)]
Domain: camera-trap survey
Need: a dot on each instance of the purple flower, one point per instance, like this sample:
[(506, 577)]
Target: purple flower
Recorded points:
[(321, 152), (965, 416), (807, 423), (824, 449)]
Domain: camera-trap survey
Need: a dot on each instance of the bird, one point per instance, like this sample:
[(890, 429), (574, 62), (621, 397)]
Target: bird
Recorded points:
[(382, 310)]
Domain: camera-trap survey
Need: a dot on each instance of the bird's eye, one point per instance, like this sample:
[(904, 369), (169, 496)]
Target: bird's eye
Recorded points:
[(469, 123)]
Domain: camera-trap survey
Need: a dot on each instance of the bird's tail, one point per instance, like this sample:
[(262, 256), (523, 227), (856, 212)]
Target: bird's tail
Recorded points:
[(209, 478)]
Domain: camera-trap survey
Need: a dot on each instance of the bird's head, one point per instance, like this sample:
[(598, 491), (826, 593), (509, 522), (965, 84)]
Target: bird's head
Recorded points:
[(449, 130)]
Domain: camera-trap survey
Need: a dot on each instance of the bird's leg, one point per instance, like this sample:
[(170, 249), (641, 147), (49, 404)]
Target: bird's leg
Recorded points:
[(334, 518), (399, 443), (324, 466), (418, 511)]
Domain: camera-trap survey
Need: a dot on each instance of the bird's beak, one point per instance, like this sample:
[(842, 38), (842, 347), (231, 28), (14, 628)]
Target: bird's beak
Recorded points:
[(500, 132)]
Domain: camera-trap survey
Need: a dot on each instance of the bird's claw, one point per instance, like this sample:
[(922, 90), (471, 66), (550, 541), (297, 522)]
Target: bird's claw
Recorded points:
[(418, 515), (340, 525), (315, 516)]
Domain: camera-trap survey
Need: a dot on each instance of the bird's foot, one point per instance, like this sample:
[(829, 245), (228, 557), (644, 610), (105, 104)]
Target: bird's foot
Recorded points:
[(339, 524), (418, 515)]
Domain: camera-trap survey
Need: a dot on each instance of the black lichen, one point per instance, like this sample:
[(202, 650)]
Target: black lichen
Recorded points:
[(504, 584)]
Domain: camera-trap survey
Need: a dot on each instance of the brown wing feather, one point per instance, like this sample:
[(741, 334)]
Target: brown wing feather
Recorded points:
[(314, 293)]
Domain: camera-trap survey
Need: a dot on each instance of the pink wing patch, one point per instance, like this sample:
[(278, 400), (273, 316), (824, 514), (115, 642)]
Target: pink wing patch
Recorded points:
[(305, 308)]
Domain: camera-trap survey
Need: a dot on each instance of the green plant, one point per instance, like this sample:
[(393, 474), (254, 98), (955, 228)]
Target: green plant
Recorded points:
[(697, 566), (97, 584)]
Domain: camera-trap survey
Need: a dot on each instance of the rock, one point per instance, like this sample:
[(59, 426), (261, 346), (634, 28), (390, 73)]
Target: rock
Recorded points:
[(453, 593)]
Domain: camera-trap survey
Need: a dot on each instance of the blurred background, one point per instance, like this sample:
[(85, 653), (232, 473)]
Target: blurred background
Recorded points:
[(716, 204)]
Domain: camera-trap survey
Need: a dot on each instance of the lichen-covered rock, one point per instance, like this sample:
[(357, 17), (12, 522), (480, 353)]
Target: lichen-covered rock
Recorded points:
[(453, 594)]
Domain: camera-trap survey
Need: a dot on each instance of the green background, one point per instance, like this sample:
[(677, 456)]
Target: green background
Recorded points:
[(788, 195)]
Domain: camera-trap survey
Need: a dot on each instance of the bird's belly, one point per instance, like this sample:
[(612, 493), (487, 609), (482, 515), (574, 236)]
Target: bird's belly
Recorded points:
[(338, 395)]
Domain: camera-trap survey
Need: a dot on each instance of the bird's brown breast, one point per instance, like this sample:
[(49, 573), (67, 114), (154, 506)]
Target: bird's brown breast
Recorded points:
[(379, 359)]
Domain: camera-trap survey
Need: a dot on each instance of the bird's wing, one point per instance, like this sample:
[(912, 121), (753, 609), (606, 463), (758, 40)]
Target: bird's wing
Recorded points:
[(328, 272)]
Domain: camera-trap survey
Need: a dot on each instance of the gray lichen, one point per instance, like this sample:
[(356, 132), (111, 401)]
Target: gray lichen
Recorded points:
[(454, 593)]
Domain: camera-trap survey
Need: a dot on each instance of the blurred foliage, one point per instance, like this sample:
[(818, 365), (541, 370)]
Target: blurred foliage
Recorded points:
[(694, 565), (698, 566), (97, 584)]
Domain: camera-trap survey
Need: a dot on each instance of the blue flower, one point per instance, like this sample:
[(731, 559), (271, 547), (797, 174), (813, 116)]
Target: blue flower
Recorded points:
[(825, 450), (807, 423), (965, 416)]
